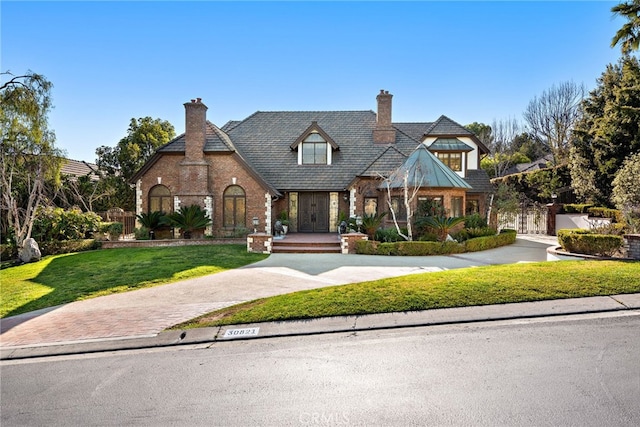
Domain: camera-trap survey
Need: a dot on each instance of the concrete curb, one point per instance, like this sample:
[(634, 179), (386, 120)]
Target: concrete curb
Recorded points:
[(327, 325)]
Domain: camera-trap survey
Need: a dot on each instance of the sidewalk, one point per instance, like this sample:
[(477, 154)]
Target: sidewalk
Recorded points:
[(145, 313), (629, 303)]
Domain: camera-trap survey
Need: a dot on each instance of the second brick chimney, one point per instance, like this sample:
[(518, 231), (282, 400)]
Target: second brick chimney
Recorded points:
[(384, 133), (195, 130)]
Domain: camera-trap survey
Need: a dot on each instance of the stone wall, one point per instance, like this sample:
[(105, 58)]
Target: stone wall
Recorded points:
[(633, 245)]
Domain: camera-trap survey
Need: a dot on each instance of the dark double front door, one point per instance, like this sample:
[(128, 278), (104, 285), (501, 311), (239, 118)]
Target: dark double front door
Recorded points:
[(313, 213)]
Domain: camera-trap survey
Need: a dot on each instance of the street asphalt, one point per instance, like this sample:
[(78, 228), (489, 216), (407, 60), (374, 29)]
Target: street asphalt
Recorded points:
[(138, 319)]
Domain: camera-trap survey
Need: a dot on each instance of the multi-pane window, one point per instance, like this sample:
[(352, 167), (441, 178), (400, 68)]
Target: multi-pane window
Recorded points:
[(397, 204), (314, 150), (234, 212), (473, 207), (160, 199), (370, 205), (456, 206), (453, 160)]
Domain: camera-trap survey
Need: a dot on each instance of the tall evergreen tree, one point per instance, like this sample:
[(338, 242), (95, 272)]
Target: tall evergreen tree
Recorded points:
[(608, 132)]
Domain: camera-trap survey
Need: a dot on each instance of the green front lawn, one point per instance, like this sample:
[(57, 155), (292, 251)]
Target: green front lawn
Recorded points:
[(455, 288), (65, 278)]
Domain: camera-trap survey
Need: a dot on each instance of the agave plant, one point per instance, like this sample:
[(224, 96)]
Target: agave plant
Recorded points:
[(442, 225), (189, 219)]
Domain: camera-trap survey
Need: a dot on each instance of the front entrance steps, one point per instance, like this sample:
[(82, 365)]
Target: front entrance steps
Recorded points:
[(312, 243)]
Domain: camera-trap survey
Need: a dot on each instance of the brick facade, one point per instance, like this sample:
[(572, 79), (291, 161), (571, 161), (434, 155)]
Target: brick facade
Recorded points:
[(168, 171)]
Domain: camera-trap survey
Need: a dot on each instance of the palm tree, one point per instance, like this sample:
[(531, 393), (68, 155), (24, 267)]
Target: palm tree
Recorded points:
[(442, 225), (629, 35), (188, 219)]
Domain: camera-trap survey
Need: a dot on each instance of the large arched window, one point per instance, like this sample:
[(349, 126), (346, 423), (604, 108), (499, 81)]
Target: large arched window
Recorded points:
[(160, 199), (234, 207)]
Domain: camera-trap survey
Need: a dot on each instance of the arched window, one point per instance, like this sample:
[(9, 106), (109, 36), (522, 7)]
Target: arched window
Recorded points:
[(160, 199), (234, 207)]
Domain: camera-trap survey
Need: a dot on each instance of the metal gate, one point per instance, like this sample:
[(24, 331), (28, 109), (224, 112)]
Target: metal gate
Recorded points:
[(531, 218)]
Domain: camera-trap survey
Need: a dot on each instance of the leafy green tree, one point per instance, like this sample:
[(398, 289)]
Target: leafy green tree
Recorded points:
[(144, 136), (608, 132), (626, 191), (529, 146), (628, 37), (28, 156), (482, 131)]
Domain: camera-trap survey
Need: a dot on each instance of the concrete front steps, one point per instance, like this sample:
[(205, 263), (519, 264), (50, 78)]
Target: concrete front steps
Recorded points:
[(312, 243)]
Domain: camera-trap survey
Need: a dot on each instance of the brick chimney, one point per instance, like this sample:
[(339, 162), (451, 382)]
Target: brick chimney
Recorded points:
[(195, 130), (384, 133)]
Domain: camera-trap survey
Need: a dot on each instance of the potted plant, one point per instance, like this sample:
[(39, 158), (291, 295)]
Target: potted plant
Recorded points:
[(151, 221), (284, 220), (188, 219)]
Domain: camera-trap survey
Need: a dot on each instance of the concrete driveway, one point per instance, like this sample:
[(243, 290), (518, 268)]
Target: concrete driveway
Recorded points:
[(147, 312)]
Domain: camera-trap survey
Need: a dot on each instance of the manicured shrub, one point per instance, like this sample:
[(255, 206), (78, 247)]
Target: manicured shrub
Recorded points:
[(585, 242), (576, 208), (57, 247), (470, 233), (490, 242), (387, 248), (614, 214), (429, 248), (367, 247)]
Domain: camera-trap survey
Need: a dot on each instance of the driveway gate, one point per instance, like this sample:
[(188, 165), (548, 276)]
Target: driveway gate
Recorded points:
[(531, 218)]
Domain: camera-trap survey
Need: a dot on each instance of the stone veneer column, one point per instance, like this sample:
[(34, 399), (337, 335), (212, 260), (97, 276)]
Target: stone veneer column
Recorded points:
[(267, 213), (348, 242), (138, 201), (352, 202), (334, 207), (208, 208), (259, 243)]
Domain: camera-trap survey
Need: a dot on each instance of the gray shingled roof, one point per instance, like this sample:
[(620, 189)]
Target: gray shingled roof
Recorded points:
[(217, 141), (445, 126), (78, 168), (386, 162), (413, 130), (479, 181), (265, 139)]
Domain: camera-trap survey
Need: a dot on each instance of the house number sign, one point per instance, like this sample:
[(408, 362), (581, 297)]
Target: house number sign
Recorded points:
[(241, 333)]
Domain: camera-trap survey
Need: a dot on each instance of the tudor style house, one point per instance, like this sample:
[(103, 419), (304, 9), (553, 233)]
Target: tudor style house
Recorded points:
[(315, 166)]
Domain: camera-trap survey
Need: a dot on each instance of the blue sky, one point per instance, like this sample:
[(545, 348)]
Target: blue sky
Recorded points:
[(472, 61)]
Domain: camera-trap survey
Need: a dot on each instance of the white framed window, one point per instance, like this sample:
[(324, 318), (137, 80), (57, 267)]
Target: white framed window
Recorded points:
[(314, 150)]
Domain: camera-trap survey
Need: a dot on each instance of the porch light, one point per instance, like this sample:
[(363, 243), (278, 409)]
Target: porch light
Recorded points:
[(256, 222), (359, 222)]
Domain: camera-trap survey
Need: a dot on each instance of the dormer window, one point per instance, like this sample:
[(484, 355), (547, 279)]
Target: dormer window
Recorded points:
[(453, 160), (314, 146), (314, 150)]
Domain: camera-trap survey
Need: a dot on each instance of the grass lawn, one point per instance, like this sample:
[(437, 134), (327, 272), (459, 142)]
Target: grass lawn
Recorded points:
[(455, 288), (65, 278)]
